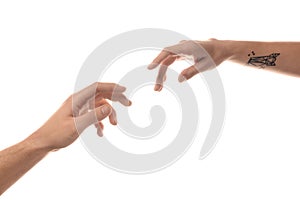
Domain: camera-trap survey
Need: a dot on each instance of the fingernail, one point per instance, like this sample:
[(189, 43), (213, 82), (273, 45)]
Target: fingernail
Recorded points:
[(105, 109), (99, 132), (157, 87), (151, 66), (114, 122), (181, 78)]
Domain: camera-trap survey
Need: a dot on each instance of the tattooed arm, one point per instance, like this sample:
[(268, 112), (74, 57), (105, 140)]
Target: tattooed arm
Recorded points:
[(281, 57)]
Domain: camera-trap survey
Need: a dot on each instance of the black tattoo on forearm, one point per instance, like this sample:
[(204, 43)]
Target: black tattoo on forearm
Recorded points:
[(262, 61)]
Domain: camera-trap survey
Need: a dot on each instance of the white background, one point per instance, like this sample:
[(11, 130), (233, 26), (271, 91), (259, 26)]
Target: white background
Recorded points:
[(43, 45)]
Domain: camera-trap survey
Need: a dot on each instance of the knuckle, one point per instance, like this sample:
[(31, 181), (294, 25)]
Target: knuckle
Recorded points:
[(168, 50), (95, 84), (69, 100)]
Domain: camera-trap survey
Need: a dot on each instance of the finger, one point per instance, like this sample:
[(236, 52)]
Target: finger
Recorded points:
[(162, 72), (161, 56), (100, 102), (160, 76), (199, 67), (110, 87), (117, 97), (81, 97), (122, 99), (114, 97), (165, 78), (112, 116), (99, 125), (100, 132), (92, 117), (187, 73), (181, 57)]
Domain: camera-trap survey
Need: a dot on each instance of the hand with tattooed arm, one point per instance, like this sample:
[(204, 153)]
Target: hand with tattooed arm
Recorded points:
[(281, 57)]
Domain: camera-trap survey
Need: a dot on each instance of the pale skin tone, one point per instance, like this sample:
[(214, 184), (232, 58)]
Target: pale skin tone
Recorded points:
[(62, 129), (288, 62), (90, 105)]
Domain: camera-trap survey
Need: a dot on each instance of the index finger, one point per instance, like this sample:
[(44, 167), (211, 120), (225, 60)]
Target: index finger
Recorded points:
[(109, 87), (81, 97), (159, 59)]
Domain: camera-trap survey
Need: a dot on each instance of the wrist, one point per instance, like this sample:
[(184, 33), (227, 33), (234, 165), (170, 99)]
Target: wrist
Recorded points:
[(219, 50), (227, 48)]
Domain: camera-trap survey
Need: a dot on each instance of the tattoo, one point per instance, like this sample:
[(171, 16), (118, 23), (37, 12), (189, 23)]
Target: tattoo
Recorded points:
[(262, 61)]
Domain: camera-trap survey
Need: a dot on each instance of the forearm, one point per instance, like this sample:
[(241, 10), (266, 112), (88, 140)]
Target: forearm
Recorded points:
[(15, 161), (282, 57)]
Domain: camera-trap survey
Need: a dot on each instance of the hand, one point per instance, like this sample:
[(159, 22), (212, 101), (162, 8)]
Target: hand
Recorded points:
[(80, 110), (205, 54)]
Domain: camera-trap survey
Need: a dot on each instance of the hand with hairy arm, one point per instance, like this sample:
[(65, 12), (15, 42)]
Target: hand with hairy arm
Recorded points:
[(82, 109), (281, 57)]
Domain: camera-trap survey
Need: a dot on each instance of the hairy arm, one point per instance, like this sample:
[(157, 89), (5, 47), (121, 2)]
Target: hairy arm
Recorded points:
[(18, 159), (80, 110)]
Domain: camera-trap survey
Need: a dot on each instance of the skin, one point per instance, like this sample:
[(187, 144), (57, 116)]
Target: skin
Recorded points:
[(288, 62), (80, 110), (90, 105)]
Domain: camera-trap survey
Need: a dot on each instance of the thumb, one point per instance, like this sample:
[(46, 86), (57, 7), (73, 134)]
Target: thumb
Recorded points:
[(92, 117)]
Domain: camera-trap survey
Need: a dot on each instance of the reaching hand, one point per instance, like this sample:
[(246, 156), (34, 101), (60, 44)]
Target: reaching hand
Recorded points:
[(80, 110), (204, 54)]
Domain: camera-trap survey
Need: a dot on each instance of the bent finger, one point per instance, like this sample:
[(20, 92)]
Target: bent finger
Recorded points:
[(161, 76), (188, 73), (113, 115), (161, 56), (92, 117)]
